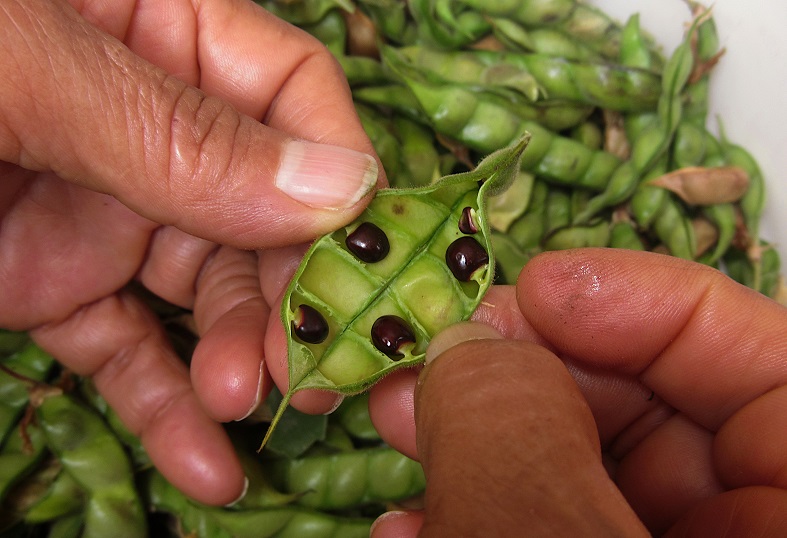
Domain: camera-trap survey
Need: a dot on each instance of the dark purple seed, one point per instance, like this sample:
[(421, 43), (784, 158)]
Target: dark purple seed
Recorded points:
[(309, 325), (466, 223), (390, 334), (464, 256), (368, 242)]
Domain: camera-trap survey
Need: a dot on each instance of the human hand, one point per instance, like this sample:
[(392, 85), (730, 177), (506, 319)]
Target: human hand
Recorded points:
[(676, 413), (154, 141)]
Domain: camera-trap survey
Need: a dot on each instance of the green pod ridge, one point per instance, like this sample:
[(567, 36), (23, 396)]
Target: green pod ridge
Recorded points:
[(412, 281)]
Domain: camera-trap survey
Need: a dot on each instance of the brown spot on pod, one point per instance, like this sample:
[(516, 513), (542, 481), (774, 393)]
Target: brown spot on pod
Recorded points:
[(368, 242), (467, 223), (464, 257), (390, 334), (309, 325)]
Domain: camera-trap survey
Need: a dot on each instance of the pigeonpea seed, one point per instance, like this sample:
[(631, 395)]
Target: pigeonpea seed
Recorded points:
[(464, 256), (467, 224), (390, 334), (368, 242), (309, 325)]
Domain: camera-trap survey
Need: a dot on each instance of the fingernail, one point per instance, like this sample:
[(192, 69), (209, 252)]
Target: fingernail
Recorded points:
[(258, 397), (336, 403), (242, 493), (458, 333), (385, 517), (325, 176)]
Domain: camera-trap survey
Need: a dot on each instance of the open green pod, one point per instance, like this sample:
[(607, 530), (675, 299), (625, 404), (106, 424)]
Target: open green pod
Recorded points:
[(367, 299)]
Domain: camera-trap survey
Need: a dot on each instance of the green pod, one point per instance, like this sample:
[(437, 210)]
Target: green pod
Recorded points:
[(96, 459), (440, 23), (634, 49), (673, 227), (689, 146), (588, 134), (67, 527), (64, 497), (30, 362), (646, 203), (280, 522), (506, 207), (593, 235), (18, 458), (557, 212), (390, 18), (386, 145), (724, 219), (303, 12), (353, 416), (394, 96), (623, 234), (553, 42), (762, 274), (527, 12), (367, 298), (331, 30), (510, 258), (12, 341), (528, 230), (420, 161), (349, 479)]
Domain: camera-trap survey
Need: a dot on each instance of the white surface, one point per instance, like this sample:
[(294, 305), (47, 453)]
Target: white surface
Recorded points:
[(748, 86)]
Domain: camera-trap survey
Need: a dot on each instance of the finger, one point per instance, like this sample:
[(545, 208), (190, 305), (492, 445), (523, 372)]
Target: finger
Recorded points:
[(392, 410), (753, 511), (118, 342), (397, 525), (705, 344), (512, 409), (391, 402), (227, 366), (185, 158), (173, 263)]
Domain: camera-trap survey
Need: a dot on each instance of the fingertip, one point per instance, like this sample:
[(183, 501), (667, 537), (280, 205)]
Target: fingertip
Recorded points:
[(392, 410), (194, 454), (457, 334), (397, 524)]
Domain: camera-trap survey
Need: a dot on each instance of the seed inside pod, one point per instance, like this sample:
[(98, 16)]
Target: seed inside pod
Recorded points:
[(464, 257), (368, 242), (390, 334), (309, 325), (467, 223)]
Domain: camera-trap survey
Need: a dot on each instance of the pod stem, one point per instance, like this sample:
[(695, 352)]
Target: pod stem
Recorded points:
[(285, 402)]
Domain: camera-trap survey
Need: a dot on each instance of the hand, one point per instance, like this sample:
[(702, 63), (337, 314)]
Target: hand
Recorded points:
[(673, 424), (156, 141)]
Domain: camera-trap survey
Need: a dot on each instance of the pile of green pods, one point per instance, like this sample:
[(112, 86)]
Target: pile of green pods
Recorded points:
[(617, 155)]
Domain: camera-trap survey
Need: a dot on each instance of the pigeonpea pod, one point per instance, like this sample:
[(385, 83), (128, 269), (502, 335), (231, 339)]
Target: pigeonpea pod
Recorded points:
[(64, 497), (95, 458), (19, 455), (17, 374), (353, 416), (304, 12), (432, 274), (623, 234), (538, 76), (280, 522), (347, 479)]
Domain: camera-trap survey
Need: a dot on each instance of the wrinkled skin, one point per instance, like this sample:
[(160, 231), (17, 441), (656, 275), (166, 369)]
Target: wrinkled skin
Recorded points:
[(139, 140), (633, 393)]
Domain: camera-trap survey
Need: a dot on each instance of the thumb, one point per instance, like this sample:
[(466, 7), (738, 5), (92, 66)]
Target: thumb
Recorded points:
[(508, 443), (78, 102)]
